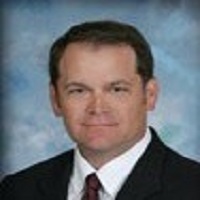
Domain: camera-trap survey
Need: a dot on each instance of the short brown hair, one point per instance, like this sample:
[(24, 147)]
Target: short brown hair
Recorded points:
[(104, 32)]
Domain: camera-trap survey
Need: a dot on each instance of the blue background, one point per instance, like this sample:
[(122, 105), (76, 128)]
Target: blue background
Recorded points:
[(31, 133)]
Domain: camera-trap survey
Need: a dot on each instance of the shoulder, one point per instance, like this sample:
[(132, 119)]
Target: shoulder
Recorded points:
[(178, 176), (180, 166), (172, 160), (51, 164), (50, 169)]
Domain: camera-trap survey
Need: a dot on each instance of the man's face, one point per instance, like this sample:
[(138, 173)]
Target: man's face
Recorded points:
[(101, 97)]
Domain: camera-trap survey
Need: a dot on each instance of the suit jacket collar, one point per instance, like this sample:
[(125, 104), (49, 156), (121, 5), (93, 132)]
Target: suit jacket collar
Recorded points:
[(145, 178)]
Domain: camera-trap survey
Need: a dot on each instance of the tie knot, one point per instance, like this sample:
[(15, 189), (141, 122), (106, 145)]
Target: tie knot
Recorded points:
[(93, 182)]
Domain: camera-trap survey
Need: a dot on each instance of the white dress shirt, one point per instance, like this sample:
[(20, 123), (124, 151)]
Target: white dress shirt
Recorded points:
[(112, 175)]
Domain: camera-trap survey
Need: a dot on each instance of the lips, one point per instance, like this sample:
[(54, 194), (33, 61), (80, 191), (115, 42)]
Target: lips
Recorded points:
[(99, 122)]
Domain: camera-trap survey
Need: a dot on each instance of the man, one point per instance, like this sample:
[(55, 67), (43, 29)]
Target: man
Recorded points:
[(102, 85)]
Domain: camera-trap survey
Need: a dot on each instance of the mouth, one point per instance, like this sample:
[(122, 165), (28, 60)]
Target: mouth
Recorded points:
[(99, 124)]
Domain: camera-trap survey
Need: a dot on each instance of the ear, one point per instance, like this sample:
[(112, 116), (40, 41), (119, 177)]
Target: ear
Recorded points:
[(152, 91), (54, 97)]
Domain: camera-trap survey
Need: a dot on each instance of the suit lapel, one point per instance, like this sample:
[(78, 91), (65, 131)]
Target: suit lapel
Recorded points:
[(55, 182), (145, 179)]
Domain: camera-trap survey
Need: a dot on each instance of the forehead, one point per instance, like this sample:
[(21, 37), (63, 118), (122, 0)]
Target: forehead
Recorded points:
[(82, 51), (106, 61), (95, 64)]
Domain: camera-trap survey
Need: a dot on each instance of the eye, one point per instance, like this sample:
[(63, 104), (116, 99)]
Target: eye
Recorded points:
[(119, 89), (75, 90)]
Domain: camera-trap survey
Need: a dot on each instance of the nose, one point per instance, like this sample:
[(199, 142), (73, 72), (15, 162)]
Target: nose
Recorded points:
[(97, 104)]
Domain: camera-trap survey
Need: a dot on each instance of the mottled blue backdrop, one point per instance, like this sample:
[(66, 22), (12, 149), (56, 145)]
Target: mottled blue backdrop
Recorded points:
[(32, 133)]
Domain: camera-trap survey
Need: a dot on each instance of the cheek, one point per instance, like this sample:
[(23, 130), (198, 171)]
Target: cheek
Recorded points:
[(73, 113), (133, 111)]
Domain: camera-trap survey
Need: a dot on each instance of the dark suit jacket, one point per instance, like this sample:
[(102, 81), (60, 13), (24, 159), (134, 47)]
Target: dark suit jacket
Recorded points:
[(160, 174)]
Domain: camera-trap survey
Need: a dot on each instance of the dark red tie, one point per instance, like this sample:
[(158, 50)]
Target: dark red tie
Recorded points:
[(92, 186)]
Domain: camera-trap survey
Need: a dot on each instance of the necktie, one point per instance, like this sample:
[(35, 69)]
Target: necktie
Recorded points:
[(92, 186)]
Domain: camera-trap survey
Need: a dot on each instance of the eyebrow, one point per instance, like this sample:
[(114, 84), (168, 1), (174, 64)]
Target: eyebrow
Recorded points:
[(121, 81), (75, 84), (112, 83)]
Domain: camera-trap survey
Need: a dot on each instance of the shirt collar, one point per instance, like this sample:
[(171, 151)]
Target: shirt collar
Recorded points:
[(107, 173), (81, 169), (117, 170)]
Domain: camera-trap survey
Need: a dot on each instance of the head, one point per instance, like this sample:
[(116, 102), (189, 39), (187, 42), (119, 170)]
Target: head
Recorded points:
[(104, 33), (102, 84)]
